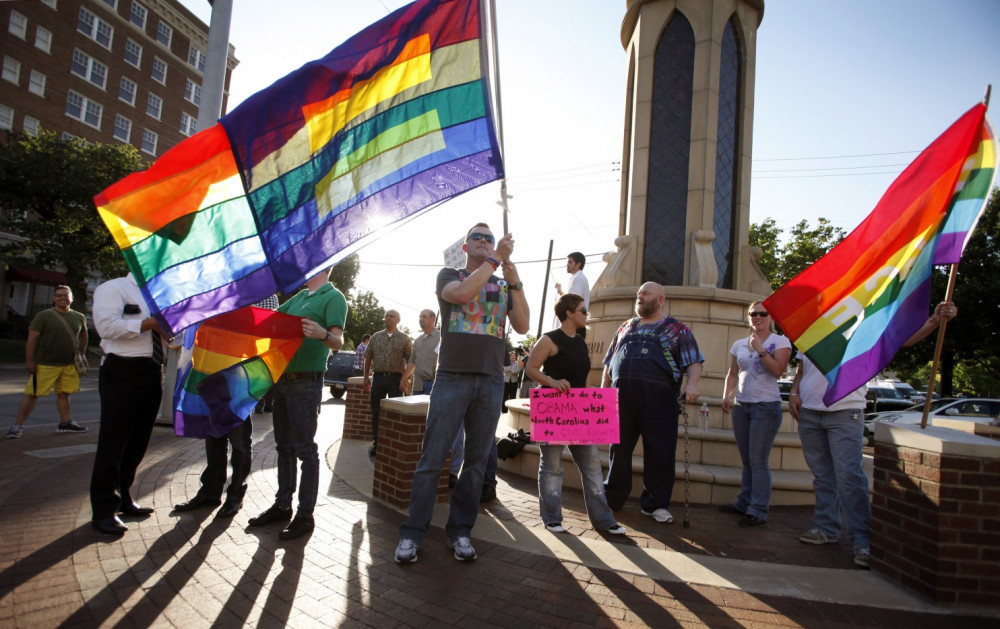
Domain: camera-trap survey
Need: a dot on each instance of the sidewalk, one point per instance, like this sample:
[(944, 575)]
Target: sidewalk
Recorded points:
[(190, 570)]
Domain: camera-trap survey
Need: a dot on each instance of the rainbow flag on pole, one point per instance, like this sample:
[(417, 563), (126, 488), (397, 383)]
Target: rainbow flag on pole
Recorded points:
[(235, 359), (853, 309), (390, 123)]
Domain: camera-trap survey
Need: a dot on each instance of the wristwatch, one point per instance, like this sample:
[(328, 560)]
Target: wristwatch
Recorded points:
[(327, 337), (517, 286)]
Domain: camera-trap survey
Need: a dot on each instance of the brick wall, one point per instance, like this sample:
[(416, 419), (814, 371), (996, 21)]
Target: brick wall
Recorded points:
[(936, 514), (401, 435), (357, 411)]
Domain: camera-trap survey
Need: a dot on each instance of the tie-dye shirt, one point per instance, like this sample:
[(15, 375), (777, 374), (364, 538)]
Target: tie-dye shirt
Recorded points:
[(472, 336)]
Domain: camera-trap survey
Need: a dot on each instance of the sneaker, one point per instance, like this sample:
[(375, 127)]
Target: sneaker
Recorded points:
[(816, 536), (406, 551), (617, 529), (70, 426), (462, 547), (15, 431), (555, 527), (660, 515), (750, 522), (862, 558)]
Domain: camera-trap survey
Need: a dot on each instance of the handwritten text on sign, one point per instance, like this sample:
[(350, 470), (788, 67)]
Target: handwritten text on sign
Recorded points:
[(577, 417)]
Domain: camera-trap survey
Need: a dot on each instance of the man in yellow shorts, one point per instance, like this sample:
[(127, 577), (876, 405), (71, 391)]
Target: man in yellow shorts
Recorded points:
[(54, 337)]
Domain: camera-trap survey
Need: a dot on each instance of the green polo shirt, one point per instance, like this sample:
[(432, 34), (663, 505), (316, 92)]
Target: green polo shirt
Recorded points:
[(327, 307)]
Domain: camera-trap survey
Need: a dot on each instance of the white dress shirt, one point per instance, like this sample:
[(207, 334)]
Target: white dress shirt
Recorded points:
[(121, 333)]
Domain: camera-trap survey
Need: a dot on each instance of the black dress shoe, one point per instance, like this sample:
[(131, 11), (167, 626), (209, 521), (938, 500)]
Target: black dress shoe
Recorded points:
[(229, 509), (750, 522), (197, 502), (730, 508), (109, 526), (134, 510), (489, 494), (274, 513), (301, 525)]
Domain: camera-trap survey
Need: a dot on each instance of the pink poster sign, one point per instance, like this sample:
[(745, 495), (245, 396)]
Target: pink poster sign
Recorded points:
[(577, 417)]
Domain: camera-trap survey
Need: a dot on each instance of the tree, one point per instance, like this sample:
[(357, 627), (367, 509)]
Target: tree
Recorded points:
[(364, 316), (345, 273), (782, 262), (766, 236), (46, 189)]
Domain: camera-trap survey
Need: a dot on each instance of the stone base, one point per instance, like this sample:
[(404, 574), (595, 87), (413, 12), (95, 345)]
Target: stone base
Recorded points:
[(402, 424)]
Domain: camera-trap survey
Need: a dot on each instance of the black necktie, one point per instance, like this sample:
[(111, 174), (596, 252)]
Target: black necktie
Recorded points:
[(157, 347)]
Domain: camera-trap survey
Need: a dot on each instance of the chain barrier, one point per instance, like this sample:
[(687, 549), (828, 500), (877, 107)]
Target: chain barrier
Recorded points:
[(687, 464)]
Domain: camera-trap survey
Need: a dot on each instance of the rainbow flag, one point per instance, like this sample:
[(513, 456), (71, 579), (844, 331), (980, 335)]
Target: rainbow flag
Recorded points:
[(853, 309), (390, 123), (235, 359)]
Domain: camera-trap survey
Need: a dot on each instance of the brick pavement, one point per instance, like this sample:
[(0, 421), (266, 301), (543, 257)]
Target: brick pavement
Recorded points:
[(190, 570)]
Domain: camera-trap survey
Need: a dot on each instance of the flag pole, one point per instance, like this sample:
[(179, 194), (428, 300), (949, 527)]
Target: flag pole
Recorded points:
[(939, 345), (496, 80)]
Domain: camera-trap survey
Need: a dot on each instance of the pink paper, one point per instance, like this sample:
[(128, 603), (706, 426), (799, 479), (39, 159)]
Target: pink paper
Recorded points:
[(577, 417)]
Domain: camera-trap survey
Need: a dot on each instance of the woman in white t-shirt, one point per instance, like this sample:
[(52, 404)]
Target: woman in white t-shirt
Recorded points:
[(757, 363)]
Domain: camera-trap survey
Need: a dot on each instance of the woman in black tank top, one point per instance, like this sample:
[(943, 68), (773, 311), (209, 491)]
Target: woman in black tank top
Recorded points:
[(560, 360)]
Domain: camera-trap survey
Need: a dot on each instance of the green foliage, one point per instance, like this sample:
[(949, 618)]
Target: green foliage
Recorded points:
[(767, 237), (364, 316), (46, 189), (345, 273)]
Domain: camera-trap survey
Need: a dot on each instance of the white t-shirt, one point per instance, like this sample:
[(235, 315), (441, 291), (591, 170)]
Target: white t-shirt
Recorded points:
[(579, 285), (813, 387), (756, 384)]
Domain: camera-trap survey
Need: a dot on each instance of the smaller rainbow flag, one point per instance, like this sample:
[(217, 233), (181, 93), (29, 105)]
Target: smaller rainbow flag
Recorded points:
[(855, 307), (236, 358)]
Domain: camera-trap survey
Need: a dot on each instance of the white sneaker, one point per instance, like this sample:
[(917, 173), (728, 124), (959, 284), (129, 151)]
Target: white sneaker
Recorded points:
[(406, 551), (462, 547), (816, 536), (862, 558), (617, 529), (660, 515), (556, 527), (15, 431)]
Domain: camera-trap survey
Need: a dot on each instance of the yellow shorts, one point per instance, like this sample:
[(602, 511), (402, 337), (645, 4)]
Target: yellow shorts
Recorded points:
[(61, 379)]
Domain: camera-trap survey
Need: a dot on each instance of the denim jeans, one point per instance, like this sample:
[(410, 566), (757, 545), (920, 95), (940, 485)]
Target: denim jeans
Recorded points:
[(459, 399), (296, 405), (213, 479), (831, 444), (550, 477), (755, 425)]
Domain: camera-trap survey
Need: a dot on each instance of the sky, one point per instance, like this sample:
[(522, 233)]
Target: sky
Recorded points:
[(847, 93)]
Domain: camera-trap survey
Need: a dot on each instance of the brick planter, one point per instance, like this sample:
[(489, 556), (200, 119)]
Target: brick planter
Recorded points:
[(357, 411), (401, 435), (936, 513)]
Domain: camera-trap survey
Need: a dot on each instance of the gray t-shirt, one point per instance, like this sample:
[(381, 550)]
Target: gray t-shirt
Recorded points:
[(472, 336)]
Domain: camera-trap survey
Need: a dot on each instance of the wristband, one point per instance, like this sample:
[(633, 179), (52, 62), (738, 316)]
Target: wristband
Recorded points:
[(494, 262), (795, 394)]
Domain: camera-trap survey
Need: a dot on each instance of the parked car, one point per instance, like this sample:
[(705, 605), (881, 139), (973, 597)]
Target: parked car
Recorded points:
[(979, 410), (885, 398), (339, 368), (905, 388), (784, 386)]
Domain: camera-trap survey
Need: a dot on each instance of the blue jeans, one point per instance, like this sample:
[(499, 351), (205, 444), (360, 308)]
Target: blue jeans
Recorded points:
[(755, 425), (831, 444), (550, 476), (296, 405), (216, 449), (468, 400)]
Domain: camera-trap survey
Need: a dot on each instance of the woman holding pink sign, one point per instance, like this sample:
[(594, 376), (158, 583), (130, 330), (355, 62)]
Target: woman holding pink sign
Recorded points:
[(560, 360)]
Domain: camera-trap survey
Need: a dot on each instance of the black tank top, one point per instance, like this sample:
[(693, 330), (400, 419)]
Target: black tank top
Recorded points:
[(571, 363)]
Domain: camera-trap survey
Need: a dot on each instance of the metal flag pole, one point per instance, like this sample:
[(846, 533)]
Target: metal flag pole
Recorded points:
[(939, 345), (499, 111), (545, 291)]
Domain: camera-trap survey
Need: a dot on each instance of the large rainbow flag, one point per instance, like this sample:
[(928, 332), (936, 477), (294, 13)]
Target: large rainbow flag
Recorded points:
[(235, 359), (853, 309), (388, 124)]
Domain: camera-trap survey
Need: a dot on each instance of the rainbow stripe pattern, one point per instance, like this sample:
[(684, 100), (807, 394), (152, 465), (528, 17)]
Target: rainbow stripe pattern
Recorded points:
[(235, 359), (389, 124), (853, 309)]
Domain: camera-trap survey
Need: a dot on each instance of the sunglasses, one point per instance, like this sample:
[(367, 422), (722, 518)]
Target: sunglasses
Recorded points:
[(478, 236), (758, 313), (582, 311)]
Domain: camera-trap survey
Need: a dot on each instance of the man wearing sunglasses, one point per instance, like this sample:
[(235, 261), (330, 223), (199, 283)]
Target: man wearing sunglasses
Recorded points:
[(475, 305)]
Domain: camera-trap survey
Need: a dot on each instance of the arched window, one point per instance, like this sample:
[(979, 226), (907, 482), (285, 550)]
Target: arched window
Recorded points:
[(727, 152)]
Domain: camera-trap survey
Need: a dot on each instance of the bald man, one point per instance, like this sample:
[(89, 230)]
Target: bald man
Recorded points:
[(646, 362), (385, 361)]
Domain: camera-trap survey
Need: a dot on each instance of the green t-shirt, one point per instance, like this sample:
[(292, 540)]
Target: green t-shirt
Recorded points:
[(55, 345), (326, 307)]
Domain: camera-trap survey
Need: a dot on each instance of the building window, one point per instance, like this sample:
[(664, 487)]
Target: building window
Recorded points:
[(197, 59), (95, 28), (123, 128), (86, 67), (31, 125), (49, 3), (111, 3), (6, 118), (192, 92), (36, 83), (11, 69), (133, 53), (126, 91), (43, 39), (138, 15), (83, 109), (18, 25), (164, 34), (159, 71), (189, 125), (149, 140), (154, 105), (66, 135)]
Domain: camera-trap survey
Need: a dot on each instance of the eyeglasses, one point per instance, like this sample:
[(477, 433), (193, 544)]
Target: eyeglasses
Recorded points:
[(582, 311), (479, 236), (758, 313)]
